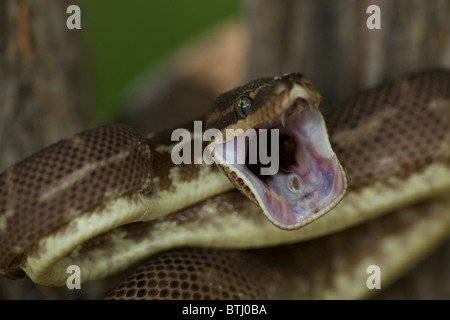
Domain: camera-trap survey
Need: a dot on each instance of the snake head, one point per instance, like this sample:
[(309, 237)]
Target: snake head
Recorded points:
[(274, 147)]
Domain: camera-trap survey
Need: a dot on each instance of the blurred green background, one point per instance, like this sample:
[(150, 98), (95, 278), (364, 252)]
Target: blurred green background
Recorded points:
[(124, 38)]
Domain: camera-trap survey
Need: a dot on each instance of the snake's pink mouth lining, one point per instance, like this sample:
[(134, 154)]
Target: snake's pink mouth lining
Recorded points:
[(310, 180)]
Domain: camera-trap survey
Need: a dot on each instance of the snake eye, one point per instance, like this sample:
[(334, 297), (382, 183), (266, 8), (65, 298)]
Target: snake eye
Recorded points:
[(243, 106)]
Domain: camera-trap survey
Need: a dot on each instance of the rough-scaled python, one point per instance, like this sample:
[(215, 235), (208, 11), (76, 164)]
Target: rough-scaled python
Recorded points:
[(109, 197)]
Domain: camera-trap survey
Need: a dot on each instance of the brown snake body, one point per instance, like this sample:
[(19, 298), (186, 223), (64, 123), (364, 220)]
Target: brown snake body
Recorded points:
[(393, 143)]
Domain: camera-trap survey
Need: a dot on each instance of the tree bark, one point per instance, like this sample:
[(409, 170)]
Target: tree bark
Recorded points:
[(41, 85), (330, 43)]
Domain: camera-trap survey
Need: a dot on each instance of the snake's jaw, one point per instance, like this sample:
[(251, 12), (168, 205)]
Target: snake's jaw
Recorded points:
[(309, 180)]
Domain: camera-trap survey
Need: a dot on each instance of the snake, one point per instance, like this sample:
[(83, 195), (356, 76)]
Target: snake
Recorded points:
[(110, 197)]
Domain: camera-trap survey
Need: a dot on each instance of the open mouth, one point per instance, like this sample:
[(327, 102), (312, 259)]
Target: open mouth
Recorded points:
[(303, 179)]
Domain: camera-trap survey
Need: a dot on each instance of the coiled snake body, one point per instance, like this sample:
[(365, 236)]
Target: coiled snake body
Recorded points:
[(109, 197)]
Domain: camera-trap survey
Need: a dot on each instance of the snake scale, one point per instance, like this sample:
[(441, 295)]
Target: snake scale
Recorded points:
[(109, 197)]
